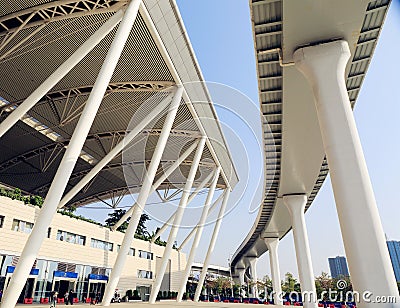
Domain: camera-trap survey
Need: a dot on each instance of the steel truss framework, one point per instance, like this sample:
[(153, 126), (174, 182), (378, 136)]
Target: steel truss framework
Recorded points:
[(85, 110), (48, 151)]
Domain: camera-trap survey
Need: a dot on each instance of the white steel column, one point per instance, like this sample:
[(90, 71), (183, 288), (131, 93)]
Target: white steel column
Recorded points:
[(161, 179), (142, 198), (253, 271), (172, 217), (69, 159), (272, 245), (296, 205), (60, 72), (212, 244), (177, 220), (364, 240), (191, 233), (115, 151), (197, 237)]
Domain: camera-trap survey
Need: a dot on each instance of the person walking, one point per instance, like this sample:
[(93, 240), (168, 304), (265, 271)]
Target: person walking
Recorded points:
[(71, 297), (53, 299)]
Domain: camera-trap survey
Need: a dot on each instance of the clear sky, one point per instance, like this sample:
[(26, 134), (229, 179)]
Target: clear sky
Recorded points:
[(223, 43)]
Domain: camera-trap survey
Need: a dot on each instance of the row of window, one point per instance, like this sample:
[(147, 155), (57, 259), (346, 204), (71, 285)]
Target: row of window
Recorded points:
[(101, 244), (145, 274), (22, 226), (131, 251), (69, 237), (46, 268)]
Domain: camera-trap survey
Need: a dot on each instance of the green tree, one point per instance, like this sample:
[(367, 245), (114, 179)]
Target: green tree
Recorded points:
[(70, 209), (323, 283), (342, 284), (265, 286), (236, 290), (290, 284), (141, 230), (158, 240)]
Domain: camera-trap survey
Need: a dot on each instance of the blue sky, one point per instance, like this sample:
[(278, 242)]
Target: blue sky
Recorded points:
[(223, 43)]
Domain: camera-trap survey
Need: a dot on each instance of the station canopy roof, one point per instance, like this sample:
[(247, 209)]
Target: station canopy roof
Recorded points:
[(37, 36)]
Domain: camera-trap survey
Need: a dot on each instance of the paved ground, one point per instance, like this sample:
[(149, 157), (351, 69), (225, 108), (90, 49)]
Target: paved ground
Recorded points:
[(165, 304)]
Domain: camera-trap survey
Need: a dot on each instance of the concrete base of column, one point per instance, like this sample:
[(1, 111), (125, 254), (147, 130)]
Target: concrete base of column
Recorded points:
[(296, 205), (272, 244)]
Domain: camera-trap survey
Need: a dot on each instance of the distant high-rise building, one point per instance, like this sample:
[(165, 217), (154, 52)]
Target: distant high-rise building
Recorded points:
[(338, 267), (394, 251)]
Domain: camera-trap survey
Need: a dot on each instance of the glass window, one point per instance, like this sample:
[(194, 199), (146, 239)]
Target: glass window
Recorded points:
[(22, 226), (7, 261), (145, 274), (145, 255), (131, 251), (52, 266), (71, 237), (101, 244), (1, 221)]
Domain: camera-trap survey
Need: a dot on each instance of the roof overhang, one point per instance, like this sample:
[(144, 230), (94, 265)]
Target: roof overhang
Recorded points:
[(37, 36)]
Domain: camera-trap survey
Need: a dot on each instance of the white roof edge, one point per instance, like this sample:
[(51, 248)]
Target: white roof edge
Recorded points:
[(177, 18)]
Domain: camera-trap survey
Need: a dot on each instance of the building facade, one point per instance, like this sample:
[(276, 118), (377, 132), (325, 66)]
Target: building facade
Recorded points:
[(78, 255), (338, 266), (394, 251)]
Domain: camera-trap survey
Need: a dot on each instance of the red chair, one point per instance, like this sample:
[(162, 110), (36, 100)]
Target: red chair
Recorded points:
[(88, 300), (60, 300), (286, 303), (44, 300), (28, 300), (216, 301), (296, 304), (226, 300), (255, 302), (75, 300), (236, 301), (320, 305), (266, 303), (246, 301)]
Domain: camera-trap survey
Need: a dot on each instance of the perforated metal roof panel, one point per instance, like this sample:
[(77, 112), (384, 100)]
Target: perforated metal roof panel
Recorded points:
[(37, 36)]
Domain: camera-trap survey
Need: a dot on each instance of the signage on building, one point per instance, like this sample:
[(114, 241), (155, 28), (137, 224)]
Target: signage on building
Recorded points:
[(97, 277), (62, 274), (11, 269)]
